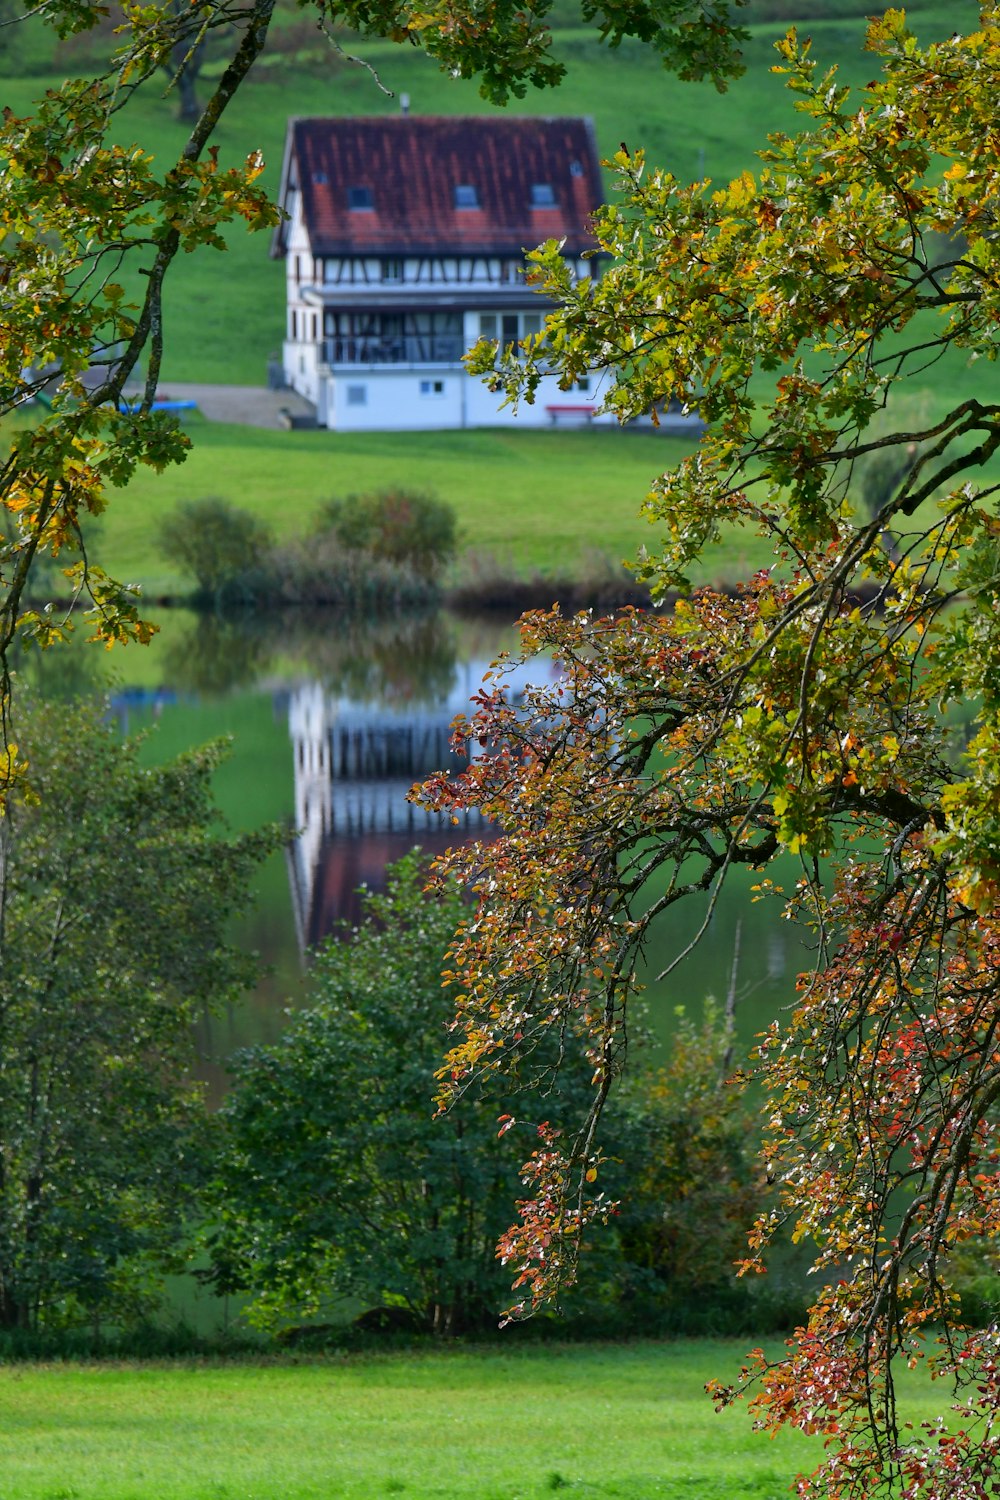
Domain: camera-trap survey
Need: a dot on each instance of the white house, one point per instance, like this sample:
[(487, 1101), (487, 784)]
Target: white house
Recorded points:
[(405, 243)]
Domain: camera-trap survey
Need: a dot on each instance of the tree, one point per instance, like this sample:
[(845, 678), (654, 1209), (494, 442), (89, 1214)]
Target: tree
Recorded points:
[(335, 1180), (116, 888), (806, 715), (83, 217), (223, 547)]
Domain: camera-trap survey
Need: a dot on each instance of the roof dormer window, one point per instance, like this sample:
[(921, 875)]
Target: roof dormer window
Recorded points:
[(360, 197), (466, 195), (542, 195)]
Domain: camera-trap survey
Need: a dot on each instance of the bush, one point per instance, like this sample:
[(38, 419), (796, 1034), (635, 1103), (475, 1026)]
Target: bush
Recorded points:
[(379, 553), (224, 549), (318, 571), (695, 1186), (335, 1180), (398, 526)]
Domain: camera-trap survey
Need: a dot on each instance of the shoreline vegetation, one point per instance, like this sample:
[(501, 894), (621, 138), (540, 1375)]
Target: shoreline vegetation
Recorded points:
[(393, 549)]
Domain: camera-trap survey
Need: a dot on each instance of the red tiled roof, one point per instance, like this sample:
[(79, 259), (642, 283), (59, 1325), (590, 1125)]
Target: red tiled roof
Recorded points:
[(412, 165)]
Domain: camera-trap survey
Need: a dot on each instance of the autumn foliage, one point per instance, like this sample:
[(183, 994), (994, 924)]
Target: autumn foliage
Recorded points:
[(841, 708)]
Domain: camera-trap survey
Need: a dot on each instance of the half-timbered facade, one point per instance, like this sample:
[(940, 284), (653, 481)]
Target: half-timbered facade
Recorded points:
[(405, 243)]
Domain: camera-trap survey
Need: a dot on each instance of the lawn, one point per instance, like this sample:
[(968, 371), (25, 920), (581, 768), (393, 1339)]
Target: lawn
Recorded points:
[(535, 499), (492, 1424), (504, 1422)]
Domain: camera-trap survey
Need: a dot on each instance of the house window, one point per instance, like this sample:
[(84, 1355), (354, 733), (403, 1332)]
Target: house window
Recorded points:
[(509, 327), (466, 195), (583, 384), (357, 395), (392, 270), (360, 197), (542, 195), (295, 325), (432, 388)]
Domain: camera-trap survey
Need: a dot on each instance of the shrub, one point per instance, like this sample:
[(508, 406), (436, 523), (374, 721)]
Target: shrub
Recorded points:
[(696, 1186), (318, 570), (399, 526), (222, 547), (335, 1179)]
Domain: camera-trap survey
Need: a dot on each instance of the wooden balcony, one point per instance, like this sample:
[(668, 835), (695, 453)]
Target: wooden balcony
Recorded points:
[(411, 349)]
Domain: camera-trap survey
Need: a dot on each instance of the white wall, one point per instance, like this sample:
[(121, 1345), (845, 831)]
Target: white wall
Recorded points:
[(394, 402)]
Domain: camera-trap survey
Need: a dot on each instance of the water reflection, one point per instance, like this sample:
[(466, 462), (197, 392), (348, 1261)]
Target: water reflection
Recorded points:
[(358, 748), (332, 721)]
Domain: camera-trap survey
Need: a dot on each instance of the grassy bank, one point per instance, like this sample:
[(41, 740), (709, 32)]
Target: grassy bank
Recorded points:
[(532, 500), (629, 1422)]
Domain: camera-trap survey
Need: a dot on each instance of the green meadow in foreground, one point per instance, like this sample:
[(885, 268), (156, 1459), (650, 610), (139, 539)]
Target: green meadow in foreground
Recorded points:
[(488, 1424), (492, 1423)]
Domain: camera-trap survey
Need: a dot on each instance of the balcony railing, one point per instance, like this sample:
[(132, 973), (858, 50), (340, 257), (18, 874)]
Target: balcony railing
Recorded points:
[(426, 349)]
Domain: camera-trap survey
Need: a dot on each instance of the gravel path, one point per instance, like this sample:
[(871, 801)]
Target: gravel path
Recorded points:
[(246, 405)]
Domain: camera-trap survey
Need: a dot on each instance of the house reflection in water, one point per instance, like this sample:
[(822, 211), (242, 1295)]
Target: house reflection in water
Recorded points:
[(354, 764)]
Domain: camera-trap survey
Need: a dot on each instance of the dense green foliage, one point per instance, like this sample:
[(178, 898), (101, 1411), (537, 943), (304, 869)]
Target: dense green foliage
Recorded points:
[(369, 553), (396, 525), (337, 1182), (115, 895), (217, 543)]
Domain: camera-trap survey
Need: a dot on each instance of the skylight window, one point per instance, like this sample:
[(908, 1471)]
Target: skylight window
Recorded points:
[(466, 195), (360, 197), (542, 195)]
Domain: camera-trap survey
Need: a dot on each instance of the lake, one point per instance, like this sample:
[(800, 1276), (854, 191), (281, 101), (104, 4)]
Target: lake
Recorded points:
[(331, 722)]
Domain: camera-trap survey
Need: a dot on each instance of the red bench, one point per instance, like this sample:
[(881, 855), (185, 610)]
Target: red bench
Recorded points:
[(557, 411)]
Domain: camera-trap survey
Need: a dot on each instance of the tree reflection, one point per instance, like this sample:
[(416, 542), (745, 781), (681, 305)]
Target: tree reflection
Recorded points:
[(409, 659)]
